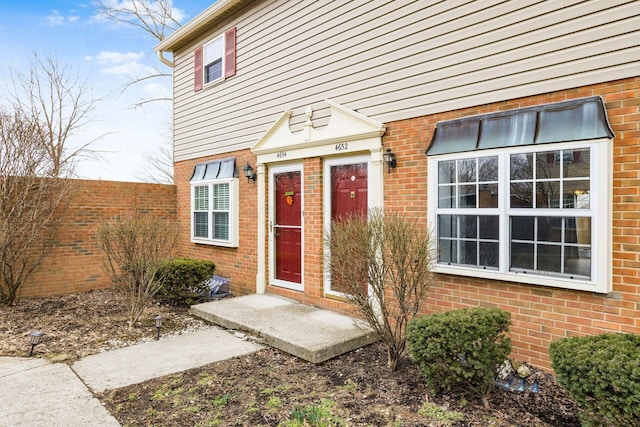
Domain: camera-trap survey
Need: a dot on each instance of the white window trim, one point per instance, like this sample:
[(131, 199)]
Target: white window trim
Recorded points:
[(234, 232), (328, 163), (222, 62), (601, 211), (273, 170)]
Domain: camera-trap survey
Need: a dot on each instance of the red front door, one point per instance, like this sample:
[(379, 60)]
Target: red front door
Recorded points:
[(288, 227), (348, 195)]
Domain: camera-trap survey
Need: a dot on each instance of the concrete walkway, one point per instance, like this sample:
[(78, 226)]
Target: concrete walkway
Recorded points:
[(34, 392), (310, 333)]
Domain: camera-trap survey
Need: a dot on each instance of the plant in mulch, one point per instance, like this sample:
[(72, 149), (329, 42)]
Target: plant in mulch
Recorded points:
[(134, 248), (185, 280), (461, 348), (602, 373), (382, 262)]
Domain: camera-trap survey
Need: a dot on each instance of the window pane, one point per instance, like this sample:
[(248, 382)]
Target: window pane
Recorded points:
[(447, 226), (221, 197), (488, 196), (578, 230), (550, 258), (576, 194), (521, 195), (213, 71), (221, 225), (489, 227), (201, 198), (200, 224), (488, 169), (469, 252), (548, 194), (446, 196), (468, 226), (447, 252), (446, 172), (577, 261), (549, 229), (522, 256), (576, 163), (213, 50), (489, 253), (547, 165), (467, 170), (522, 227), (521, 166), (467, 196)]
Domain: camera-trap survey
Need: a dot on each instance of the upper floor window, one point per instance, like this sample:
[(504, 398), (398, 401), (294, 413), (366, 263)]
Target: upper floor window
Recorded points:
[(213, 56), (215, 60), (526, 212)]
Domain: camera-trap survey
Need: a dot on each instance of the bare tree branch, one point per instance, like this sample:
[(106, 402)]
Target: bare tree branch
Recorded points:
[(60, 103)]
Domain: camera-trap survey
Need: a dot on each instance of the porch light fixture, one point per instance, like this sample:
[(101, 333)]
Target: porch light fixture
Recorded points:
[(158, 323), (36, 337), (248, 172), (390, 160)]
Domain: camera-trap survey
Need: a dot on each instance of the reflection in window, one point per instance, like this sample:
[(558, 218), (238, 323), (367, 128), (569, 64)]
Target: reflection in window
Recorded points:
[(468, 183), (468, 240), (556, 245)]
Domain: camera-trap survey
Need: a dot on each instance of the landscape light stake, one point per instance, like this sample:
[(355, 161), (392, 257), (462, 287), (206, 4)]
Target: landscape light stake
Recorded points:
[(36, 336), (158, 322)]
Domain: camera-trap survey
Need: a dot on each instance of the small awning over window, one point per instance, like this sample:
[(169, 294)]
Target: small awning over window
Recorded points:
[(573, 120), (216, 169)]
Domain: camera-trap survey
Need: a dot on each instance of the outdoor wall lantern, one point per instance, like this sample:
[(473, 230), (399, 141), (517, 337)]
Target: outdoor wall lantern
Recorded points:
[(36, 337), (158, 322), (248, 172), (390, 159)]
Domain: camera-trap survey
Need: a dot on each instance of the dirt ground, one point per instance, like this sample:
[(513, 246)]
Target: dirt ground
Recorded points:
[(268, 388)]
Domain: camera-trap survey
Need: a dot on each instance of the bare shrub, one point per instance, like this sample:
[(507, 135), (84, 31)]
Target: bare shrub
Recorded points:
[(383, 265), (33, 202), (134, 247)]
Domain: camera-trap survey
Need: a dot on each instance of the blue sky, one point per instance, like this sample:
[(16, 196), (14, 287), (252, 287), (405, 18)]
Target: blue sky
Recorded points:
[(108, 55)]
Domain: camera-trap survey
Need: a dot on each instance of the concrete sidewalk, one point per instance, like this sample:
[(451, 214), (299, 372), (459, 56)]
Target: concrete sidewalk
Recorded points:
[(34, 392)]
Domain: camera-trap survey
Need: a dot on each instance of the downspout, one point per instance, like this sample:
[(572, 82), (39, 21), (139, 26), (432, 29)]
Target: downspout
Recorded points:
[(164, 60)]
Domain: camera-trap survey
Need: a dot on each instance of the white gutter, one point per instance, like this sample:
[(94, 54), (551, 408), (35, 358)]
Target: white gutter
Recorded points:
[(164, 60), (183, 33)]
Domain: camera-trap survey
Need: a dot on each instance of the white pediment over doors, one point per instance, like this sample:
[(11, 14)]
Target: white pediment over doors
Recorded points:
[(347, 131)]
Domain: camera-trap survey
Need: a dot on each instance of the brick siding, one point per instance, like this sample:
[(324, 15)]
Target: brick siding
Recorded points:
[(540, 314), (75, 263)]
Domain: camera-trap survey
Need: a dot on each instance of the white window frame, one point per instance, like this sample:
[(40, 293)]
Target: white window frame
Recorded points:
[(233, 239), (600, 212), (206, 63)]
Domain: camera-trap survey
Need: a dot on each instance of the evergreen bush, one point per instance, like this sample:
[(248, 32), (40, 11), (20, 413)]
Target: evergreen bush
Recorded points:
[(602, 374), (461, 348), (185, 280)]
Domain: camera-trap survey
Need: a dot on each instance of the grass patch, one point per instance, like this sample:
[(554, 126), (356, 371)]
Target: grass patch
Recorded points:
[(437, 413)]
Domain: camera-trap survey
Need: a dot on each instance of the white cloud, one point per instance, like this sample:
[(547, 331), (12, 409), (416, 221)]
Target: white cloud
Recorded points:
[(121, 63), (55, 19)]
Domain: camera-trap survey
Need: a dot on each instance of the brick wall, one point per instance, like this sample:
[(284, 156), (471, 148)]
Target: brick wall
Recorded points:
[(540, 314), (75, 263), (238, 263)]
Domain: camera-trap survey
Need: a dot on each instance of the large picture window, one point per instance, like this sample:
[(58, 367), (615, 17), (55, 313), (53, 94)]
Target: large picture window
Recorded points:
[(524, 195), (532, 214), (214, 201)]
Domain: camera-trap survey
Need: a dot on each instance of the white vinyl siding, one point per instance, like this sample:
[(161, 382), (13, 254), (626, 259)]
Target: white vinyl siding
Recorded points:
[(397, 60)]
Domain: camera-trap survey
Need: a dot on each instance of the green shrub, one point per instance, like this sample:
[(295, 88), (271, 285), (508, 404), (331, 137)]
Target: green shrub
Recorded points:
[(185, 280), (460, 348), (602, 374)]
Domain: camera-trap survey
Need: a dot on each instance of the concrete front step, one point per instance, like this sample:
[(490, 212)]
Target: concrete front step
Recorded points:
[(311, 333)]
